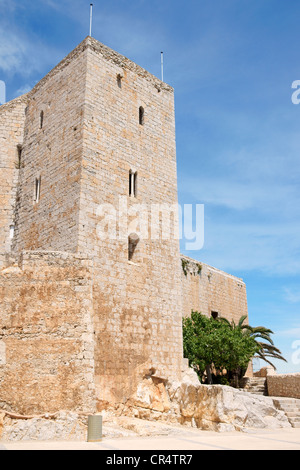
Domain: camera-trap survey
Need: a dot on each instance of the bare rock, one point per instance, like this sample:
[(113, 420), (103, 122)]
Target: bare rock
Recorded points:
[(210, 407), (65, 426), (218, 407)]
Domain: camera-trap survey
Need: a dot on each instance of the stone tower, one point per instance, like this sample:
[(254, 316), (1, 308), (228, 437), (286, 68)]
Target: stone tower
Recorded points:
[(99, 132), (91, 277)]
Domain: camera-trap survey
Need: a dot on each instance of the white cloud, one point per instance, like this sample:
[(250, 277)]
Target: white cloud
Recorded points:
[(292, 333), (252, 200), (23, 55), (292, 295), (24, 89), (12, 52), (249, 246)]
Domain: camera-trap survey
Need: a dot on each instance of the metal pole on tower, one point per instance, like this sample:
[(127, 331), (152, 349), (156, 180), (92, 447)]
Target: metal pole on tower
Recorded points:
[(91, 18), (162, 66)]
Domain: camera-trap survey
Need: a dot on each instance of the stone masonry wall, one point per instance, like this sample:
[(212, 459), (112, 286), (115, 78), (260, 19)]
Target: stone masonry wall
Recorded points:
[(206, 289), (137, 302), (52, 154), (12, 117), (284, 385), (80, 150), (46, 334), (82, 325)]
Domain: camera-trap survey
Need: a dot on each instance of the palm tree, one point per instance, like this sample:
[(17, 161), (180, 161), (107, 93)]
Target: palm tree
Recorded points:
[(265, 350)]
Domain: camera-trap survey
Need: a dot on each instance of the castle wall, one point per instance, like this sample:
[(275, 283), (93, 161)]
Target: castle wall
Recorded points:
[(79, 153), (46, 334), (80, 319), (52, 153), (12, 117), (206, 289), (137, 302)]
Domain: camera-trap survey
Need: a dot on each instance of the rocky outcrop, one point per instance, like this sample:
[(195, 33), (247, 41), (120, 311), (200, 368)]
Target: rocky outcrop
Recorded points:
[(157, 407), (64, 425), (209, 407), (221, 408)]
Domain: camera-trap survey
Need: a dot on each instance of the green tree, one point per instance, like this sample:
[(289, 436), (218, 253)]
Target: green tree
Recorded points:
[(212, 345)]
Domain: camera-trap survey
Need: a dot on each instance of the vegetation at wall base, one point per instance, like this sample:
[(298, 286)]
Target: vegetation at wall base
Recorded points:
[(220, 351)]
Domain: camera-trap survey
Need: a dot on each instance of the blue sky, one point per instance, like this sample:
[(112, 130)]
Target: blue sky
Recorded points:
[(232, 64)]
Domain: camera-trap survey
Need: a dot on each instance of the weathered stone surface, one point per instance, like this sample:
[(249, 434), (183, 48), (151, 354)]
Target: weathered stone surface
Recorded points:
[(151, 412), (70, 426), (65, 426), (284, 385), (207, 289), (158, 407), (46, 334), (82, 327), (12, 119), (210, 407), (81, 156)]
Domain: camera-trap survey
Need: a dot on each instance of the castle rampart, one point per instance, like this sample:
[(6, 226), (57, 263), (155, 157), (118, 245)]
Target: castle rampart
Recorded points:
[(85, 318), (211, 291)]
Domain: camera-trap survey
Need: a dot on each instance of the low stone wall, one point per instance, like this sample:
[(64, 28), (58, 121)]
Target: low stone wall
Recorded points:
[(264, 371), (284, 385)]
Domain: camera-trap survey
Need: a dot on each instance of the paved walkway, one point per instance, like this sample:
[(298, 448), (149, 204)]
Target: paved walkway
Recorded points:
[(279, 439)]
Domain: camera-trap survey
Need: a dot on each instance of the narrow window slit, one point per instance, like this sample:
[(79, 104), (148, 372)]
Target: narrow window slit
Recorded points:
[(119, 80), (11, 231), (141, 115), (37, 193), (135, 184), (41, 119), (19, 156), (132, 183)]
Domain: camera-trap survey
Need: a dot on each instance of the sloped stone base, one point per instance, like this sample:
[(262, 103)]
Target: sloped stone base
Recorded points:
[(209, 407), (158, 403)]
